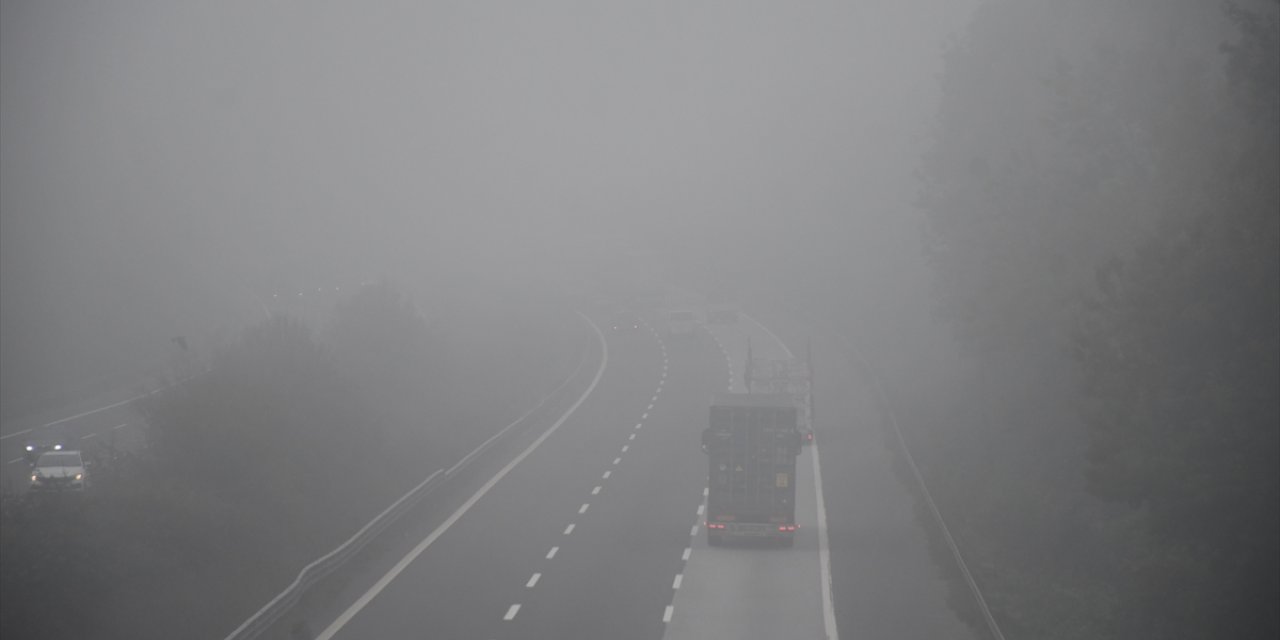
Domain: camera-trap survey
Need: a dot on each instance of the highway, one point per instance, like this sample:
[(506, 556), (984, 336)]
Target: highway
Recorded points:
[(597, 530)]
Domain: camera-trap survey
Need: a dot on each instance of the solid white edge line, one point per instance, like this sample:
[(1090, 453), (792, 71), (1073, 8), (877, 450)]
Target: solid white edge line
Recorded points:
[(120, 426), (404, 562), (824, 551), (16, 461), (16, 433)]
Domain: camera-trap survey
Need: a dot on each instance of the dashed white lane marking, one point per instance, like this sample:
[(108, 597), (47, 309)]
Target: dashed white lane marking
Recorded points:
[(511, 612), (632, 437), (666, 615), (533, 580), (404, 562), (16, 461), (15, 433), (595, 491), (569, 529), (654, 399), (704, 492), (650, 407), (120, 426), (552, 553), (584, 507), (617, 460), (675, 584), (639, 424), (644, 416), (685, 556), (700, 508), (694, 530), (626, 446), (606, 475), (88, 436)]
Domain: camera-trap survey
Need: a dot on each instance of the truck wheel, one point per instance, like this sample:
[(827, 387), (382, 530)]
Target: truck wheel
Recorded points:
[(714, 540)]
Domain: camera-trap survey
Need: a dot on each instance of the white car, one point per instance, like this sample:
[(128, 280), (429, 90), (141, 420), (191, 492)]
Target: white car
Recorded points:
[(59, 471)]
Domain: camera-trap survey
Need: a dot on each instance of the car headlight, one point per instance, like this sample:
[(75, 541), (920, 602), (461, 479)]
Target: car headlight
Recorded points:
[(30, 448), (35, 478), (79, 476), (57, 447)]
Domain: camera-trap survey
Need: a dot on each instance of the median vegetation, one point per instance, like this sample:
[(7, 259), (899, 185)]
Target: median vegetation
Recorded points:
[(288, 444)]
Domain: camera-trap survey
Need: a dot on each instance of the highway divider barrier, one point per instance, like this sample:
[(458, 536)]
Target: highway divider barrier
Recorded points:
[(271, 612)]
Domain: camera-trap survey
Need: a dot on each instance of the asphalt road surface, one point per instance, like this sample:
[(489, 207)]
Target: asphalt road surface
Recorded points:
[(597, 532)]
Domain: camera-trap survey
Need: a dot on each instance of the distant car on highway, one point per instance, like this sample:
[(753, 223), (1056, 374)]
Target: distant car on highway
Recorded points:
[(59, 471), (43, 440), (626, 321)]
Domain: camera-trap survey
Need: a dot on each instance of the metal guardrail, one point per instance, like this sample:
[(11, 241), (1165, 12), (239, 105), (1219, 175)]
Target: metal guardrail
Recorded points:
[(271, 612), (326, 564)]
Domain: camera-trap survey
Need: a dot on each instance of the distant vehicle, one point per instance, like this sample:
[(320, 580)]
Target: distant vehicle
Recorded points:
[(59, 471), (626, 321), (42, 440), (681, 323), (751, 444)]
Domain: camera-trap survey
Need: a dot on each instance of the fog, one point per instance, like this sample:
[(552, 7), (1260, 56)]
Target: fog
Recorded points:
[(164, 159), (991, 200)]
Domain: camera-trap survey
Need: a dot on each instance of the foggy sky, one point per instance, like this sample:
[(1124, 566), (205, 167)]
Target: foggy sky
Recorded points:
[(164, 160)]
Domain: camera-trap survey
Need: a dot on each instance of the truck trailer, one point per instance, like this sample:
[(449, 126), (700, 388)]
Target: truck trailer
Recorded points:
[(751, 443)]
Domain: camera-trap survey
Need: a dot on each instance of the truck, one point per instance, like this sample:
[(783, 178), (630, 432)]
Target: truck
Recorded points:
[(751, 442), (792, 377)]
